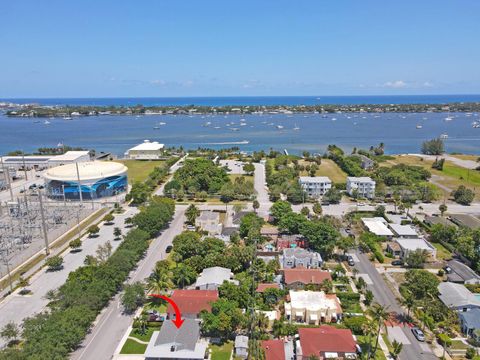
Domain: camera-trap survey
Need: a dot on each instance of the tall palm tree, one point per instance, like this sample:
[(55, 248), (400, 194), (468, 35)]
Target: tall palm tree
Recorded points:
[(369, 328), (159, 281), (409, 303), (379, 314), (396, 349), (184, 275)]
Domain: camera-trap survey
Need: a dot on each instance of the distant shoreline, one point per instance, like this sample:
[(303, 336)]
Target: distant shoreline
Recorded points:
[(35, 110)]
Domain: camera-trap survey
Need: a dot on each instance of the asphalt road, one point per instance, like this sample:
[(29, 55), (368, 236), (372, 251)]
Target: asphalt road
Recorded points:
[(112, 323), (384, 296), (15, 307)]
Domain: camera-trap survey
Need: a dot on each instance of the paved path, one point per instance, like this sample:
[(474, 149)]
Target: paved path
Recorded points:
[(384, 296), (16, 307), (260, 184), (112, 323), (468, 164)]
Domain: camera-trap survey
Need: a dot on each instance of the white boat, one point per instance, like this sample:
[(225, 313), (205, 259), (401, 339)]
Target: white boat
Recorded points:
[(162, 123), (419, 126), (216, 127), (296, 127), (280, 127), (334, 119), (444, 136), (234, 129), (243, 124), (208, 123), (67, 118), (46, 122), (449, 118)]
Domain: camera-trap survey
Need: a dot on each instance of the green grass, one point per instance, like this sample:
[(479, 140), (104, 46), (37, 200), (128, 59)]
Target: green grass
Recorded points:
[(133, 347), (442, 251), (363, 342), (327, 168), (138, 170), (457, 344), (145, 337), (222, 352)]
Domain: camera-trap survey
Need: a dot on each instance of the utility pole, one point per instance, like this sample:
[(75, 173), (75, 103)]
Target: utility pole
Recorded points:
[(6, 172), (44, 225), (24, 167), (78, 183), (5, 260)]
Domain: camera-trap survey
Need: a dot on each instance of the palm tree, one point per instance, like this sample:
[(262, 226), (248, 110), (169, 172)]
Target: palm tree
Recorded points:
[(369, 329), (443, 209), (409, 303), (408, 206), (183, 275), (396, 349), (192, 213), (379, 315), (159, 281), (256, 205)]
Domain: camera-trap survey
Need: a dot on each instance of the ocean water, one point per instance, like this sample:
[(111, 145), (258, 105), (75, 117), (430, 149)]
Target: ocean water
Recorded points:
[(256, 100), (116, 134)]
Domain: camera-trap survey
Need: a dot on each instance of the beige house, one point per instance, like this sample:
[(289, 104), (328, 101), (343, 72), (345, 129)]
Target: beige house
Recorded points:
[(312, 307), (209, 221)]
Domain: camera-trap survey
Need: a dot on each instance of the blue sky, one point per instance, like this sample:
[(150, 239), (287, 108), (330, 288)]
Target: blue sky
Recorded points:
[(107, 48)]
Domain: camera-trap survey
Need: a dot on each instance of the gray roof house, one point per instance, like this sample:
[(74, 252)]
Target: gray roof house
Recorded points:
[(470, 321), (241, 346), (457, 297), (173, 343), (298, 257), (209, 221), (461, 273), (212, 278)]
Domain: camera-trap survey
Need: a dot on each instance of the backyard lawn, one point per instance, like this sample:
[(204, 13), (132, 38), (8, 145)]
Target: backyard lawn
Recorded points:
[(144, 337), (222, 352), (363, 342), (138, 170), (328, 168), (442, 251)]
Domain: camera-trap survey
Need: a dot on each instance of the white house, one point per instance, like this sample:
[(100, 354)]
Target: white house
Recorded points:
[(146, 151), (363, 186), (404, 231), (409, 245), (377, 226), (457, 297), (315, 186), (312, 307), (298, 257), (212, 278)]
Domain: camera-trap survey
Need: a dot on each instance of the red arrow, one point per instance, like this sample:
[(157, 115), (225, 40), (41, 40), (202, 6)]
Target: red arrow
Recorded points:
[(178, 315)]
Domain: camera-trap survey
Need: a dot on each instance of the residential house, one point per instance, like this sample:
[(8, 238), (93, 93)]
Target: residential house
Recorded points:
[(212, 278), (377, 226), (403, 231), (209, 221), (394, 248), (315, 186), (312, 307), (297, 278), (461, 273), (274, 349), (263, 286), (291, 241), (326, 342), (241, 346), (457, 297), (363, 187), (192, 302), (465, 220), (298, 257), (269, 232), (470, 322), (411, 245), (177, 343), (366, 163)]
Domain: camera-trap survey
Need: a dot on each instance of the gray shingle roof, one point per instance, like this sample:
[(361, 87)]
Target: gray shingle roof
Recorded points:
[(462, 270), (471, 318)]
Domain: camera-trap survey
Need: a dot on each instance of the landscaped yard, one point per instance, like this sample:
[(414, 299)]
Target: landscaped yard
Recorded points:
[(327, 168), (138, 170), (222, 352), (363, 342), (133, 347), (442, 251), (144, 337)]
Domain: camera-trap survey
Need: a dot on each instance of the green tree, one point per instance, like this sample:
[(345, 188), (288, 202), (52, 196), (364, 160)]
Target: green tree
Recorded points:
[(396, 349), (75, 245), (249, 168), (333, 196), (117, 233), (54, 263), (133, 296), (255, 205), (279, 209), (103, 252), (421, 284), (108, 219), (184, 275), (443, 209), (379, 314), (93, 231), (380, 211), (317, 208), (191, 214), (159, 281), (305, 211), (433, 147), (139, 193), (416, 259), (321, 234), (10, 332), (463, 195), (227, 195)]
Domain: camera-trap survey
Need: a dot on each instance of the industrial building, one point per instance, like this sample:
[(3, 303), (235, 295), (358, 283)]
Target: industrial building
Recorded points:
[(96, 179), (40, 162), (146, 151)]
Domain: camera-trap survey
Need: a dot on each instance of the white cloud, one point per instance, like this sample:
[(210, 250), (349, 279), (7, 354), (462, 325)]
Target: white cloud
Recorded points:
[(397, 84), (427, 84)]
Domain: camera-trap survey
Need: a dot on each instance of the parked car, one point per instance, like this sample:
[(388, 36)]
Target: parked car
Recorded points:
[(397, 263), (419, 335), (33, 186), (169, 249), (350, 260), (447, 269)]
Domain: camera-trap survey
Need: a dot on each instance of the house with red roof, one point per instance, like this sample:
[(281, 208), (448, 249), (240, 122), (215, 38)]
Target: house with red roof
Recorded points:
[(192, 302), (326, 342), (273, 349), (297, 278)]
